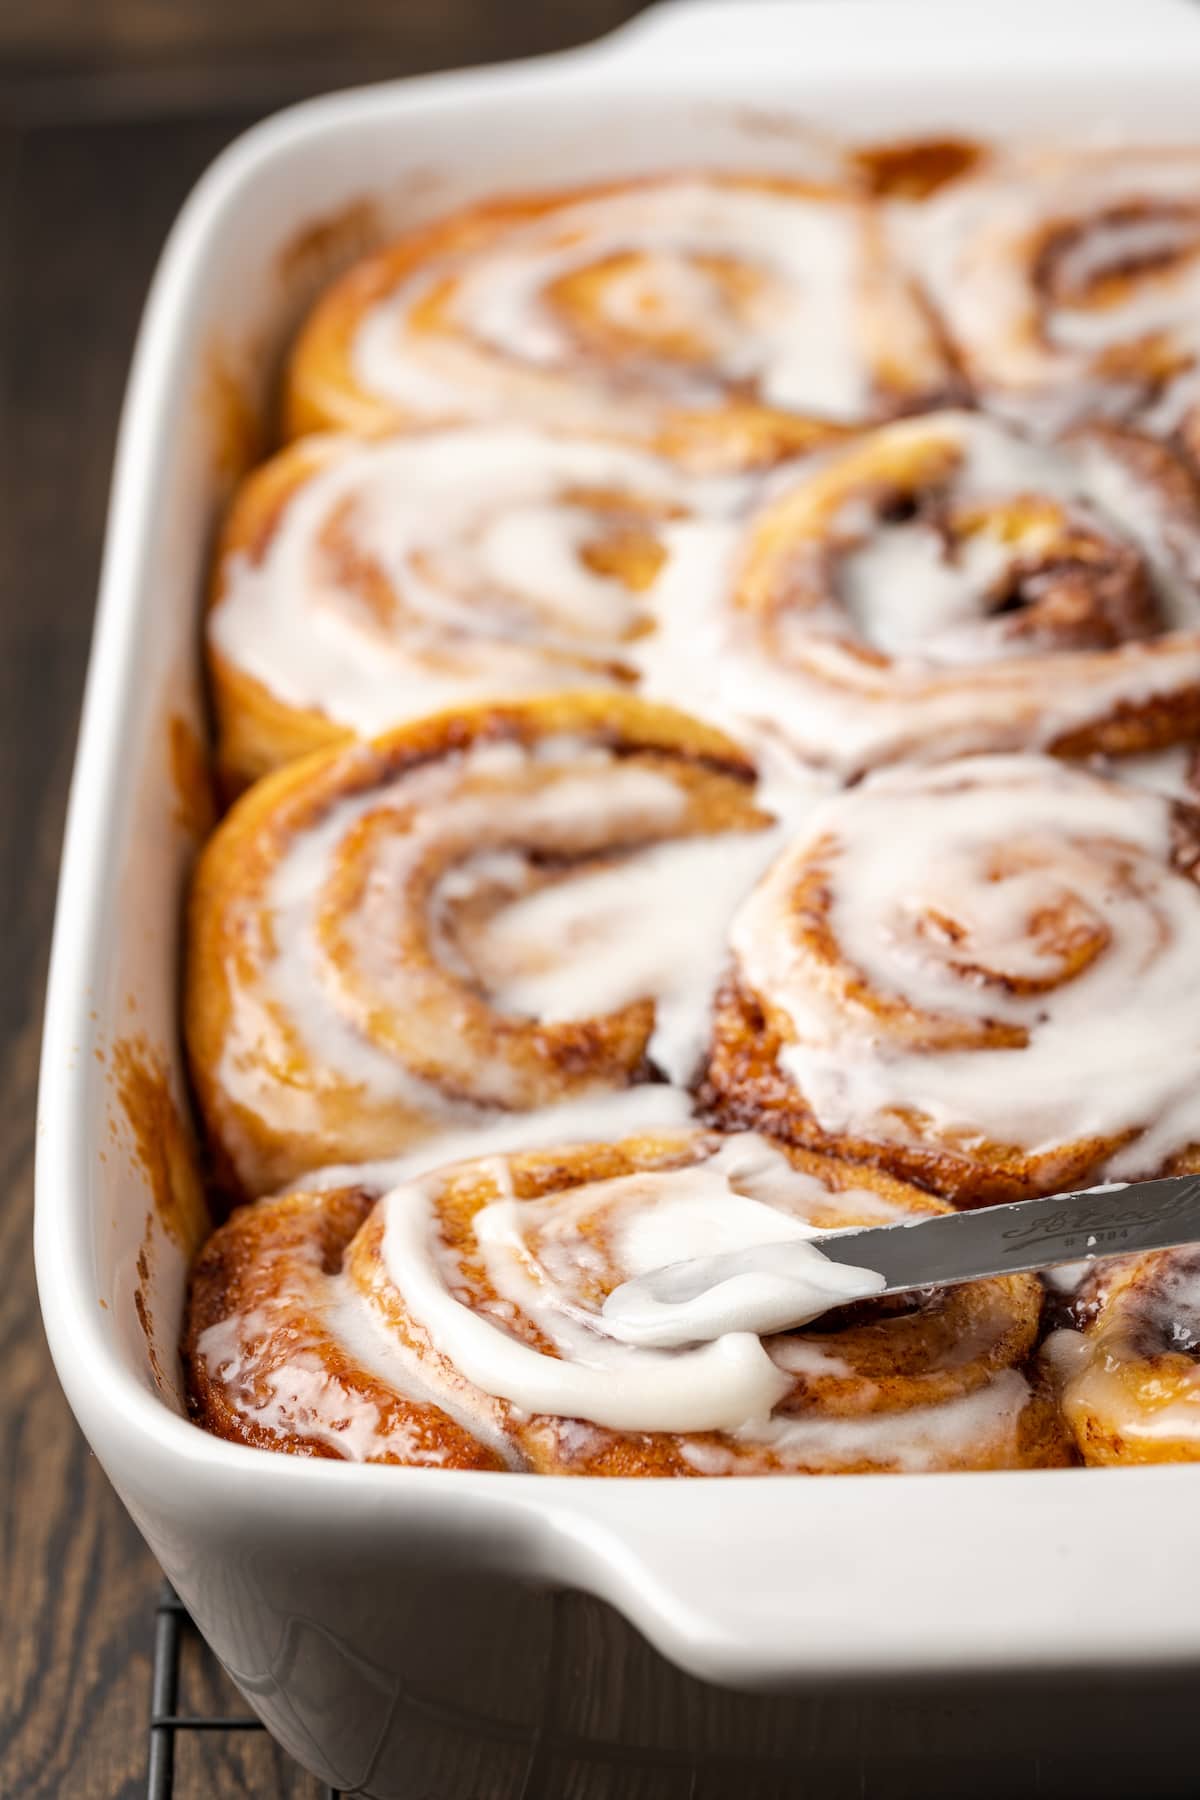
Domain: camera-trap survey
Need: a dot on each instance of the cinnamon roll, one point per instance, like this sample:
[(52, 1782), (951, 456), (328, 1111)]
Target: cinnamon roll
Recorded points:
[(1131, 1379), (1070, 282), (485, 911), (359, 584), (727, 319), (980, 976), (266, 1363), (943, 585), (464, 1312)]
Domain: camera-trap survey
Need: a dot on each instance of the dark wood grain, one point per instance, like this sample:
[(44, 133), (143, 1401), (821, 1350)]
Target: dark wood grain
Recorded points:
[(101, 135), (76, 1584)]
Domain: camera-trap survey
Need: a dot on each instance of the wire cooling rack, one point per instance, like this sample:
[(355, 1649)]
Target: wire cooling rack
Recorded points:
[(1099, 1744), (171, 1621)]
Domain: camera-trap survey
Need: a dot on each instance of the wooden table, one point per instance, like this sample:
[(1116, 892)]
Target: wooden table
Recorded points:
[(98, 145)]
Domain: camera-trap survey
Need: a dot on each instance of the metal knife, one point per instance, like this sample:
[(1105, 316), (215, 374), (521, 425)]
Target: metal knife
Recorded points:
[(1027, 1234), (948, 1247)]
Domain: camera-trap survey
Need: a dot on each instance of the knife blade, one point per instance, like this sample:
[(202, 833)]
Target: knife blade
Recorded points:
[(775, 1286), (1023, 1235)]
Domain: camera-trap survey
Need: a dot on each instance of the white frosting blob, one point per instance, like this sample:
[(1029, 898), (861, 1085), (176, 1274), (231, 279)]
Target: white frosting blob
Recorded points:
[(744, 1191), (765, 1287)]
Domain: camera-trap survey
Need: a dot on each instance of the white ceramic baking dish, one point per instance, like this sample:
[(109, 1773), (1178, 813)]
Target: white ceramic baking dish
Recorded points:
[(336, 1594)]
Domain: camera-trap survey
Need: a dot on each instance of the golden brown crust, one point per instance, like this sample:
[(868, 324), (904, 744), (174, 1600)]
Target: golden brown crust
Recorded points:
[(874, 1366), (915, 168)]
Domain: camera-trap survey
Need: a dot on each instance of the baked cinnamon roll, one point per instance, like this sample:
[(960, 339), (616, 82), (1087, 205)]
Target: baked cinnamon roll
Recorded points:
[(725, 319), (359, 584), (943, 585), (1131, 1379), (467, 1310), (269, 1361), (483, 912), (979, 976), (1070, 283)]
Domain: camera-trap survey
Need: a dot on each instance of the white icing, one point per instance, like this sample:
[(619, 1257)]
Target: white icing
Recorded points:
[(655, 923), (769, 1286), (1066, 1352), (464, 816), (1112, 1049), (709, 1389), (955, 679), (539, 1257), (798, 340), (812, 1356), (299, 1397), (905, 597), (296, 1398), (471, 530), (1068, 1278), (478, 536), (914, 1440), (547, 1266), (360, 1332)]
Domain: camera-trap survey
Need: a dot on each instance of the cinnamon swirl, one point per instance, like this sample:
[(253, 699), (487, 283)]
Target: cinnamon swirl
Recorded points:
[(1131, 1379), (1070, 282), (484, 911), (466, 1314), (980, 976), (943, 585), (723, 318), (359, 584)]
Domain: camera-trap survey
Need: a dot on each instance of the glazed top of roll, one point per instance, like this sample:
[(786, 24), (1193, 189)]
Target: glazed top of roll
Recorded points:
[(943, 584), (625, 309), (376, 580), (994, 959), (484, 911), (1070, 281)]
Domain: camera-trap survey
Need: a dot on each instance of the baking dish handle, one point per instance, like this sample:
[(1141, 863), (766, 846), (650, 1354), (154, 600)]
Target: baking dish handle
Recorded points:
[(770, 1590), (915, 34)]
